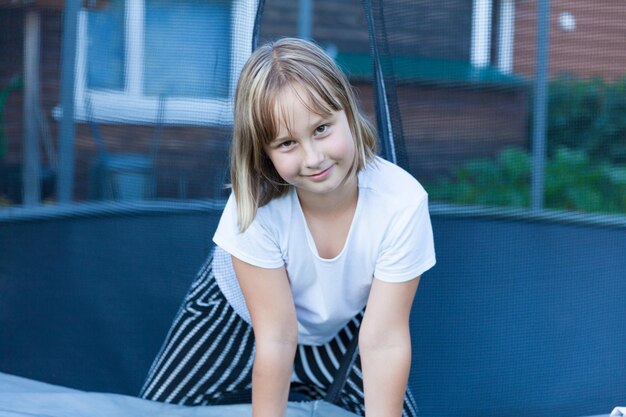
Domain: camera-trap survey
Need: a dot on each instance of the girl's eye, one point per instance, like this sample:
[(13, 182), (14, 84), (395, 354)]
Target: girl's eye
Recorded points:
[(286, 144), (320, 130)]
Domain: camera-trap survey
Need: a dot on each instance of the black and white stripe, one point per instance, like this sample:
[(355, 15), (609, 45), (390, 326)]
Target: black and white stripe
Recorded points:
[(208, 355)]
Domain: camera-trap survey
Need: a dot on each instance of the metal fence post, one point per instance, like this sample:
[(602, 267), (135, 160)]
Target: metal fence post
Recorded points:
[(31, 175), (65, 175), (540, 104)]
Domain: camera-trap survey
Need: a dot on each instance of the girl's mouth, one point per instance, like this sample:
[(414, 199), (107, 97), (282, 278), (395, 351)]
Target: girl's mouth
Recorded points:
[(320, 175)]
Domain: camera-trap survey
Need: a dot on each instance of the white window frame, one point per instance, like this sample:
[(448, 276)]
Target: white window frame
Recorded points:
[(481, 33), (130, 105), (506, 36), (480, 55)]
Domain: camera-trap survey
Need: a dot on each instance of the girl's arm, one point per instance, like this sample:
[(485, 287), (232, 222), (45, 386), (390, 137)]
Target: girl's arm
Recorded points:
[(270, 303), (385, 347)]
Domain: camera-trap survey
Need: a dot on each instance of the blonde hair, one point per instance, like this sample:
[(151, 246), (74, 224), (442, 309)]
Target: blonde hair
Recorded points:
[(269, 70)]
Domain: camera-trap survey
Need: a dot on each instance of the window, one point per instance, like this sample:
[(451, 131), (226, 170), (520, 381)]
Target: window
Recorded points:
[(189, 52)]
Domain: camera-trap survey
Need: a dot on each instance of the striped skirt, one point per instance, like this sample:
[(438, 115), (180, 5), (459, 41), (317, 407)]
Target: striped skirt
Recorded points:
[(208, 354)]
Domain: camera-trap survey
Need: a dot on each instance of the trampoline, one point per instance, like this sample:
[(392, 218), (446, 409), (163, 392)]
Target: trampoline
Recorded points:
[(523, 314)]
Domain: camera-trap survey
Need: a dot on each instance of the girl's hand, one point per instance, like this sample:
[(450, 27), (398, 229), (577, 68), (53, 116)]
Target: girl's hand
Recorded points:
[(269, 301), (385, 347)]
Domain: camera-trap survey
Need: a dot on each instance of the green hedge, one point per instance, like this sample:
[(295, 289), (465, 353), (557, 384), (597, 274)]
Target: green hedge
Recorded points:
[(586, 164), (573, 181), (589, 115)]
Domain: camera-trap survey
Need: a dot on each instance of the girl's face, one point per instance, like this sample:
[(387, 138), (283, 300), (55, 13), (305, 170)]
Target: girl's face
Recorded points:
[(312, 152)]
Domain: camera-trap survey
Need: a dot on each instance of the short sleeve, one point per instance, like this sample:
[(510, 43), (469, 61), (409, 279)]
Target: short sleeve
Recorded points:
[(407, 249), (257, 245)]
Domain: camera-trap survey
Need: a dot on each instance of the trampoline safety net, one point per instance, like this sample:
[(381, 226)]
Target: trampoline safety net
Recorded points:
[(115, 128)]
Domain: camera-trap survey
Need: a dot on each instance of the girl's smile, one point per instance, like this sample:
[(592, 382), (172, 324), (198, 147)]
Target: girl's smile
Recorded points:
[(321, 176)]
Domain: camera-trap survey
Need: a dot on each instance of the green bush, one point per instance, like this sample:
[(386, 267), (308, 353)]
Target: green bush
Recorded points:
[(588, 115), (573, 181), (586, 165)]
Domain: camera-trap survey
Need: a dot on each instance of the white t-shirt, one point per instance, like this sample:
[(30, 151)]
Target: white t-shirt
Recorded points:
[(390, 239)]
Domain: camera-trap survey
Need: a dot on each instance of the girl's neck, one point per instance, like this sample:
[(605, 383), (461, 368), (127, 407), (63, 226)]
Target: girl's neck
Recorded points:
[(329, 217), (321, 205)]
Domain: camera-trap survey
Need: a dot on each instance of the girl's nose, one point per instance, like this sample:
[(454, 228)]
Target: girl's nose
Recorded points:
[(313, 155)]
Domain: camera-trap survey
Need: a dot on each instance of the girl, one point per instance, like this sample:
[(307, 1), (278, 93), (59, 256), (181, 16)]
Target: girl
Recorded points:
[(317, 228)]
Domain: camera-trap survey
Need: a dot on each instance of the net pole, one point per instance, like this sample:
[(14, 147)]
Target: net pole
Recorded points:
[(305, 19), (256, 30), (540, 105), (31, 170), (385, 135), (65, 175)]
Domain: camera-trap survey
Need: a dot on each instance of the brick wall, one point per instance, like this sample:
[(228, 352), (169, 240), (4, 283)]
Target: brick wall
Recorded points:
[(432, 28), (596, 47), (341, 23), (445, 126)]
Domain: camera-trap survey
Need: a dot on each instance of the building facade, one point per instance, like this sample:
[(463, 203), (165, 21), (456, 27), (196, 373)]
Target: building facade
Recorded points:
[(463, 68)]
